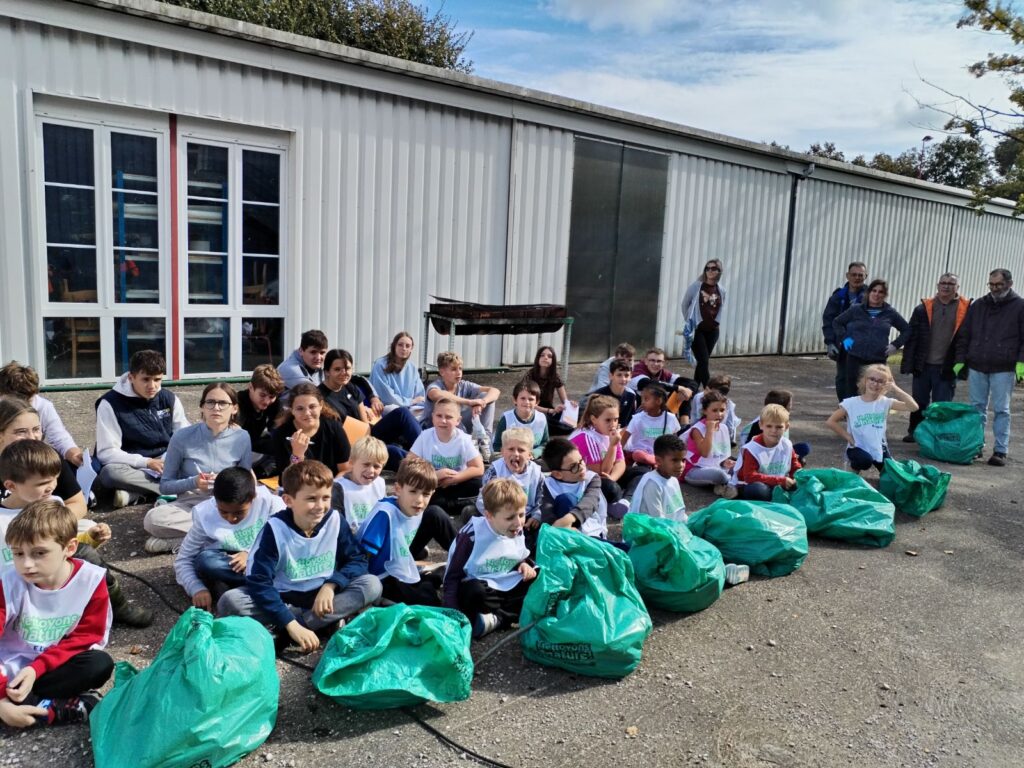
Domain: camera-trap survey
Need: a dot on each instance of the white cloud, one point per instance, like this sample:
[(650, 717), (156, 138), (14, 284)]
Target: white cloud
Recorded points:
[(638, 15)]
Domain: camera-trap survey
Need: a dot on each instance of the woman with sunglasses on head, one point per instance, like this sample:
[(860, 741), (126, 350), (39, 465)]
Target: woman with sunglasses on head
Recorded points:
[(195, 455), (703, 306)]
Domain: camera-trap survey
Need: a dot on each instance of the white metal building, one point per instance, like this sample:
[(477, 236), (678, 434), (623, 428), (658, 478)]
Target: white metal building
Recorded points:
[(209, 188)]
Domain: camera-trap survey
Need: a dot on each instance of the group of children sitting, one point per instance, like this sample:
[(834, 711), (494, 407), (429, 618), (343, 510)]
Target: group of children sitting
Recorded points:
[(306, 560)]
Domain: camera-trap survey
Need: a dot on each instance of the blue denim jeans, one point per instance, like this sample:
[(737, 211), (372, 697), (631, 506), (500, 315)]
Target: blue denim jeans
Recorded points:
[(213, 565), (997, 387)]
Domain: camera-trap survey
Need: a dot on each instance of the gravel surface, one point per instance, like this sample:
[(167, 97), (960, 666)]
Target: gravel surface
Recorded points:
[(863, 657)]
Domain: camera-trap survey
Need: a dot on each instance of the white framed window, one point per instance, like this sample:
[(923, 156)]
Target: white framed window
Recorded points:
[(232, 251), (104, 242)]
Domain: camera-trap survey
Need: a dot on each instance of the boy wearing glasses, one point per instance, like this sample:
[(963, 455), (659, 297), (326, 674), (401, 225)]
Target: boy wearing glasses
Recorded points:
[(134, 424), (929, 352), (571, 494)]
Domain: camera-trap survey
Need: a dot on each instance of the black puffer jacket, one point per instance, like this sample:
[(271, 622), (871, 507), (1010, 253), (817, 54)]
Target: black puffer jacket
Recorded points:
[(991, 340), (915, 352), (870, 334)]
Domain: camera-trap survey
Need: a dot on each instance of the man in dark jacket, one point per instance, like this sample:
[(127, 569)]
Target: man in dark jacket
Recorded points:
[(929, 352), (840, 301), (991, 345)]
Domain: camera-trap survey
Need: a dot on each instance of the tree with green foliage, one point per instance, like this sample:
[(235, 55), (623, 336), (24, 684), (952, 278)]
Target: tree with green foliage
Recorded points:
[(958, 161), (391, 27)]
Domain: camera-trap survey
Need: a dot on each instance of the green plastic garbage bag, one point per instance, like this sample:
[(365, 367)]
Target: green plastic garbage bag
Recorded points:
[(590, 618), (770, 538), (914, 488), (950, 432), (841, 505), (208, 698), (398, 656), (675, 570)]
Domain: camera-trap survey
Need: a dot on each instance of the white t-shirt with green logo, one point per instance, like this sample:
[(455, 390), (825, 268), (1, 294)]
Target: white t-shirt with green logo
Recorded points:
[(360, 499), (644, 429), (303, 564), (866, 421), (658, 496), (455, 454)]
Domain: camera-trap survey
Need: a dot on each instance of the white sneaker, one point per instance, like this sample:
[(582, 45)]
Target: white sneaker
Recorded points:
[(484, 624), (121, 498), (736, 574), (155, 546), (730, 491), (484, 446)]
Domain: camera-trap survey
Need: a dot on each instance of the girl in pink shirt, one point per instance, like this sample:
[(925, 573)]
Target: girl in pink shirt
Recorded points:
[(601, 448)]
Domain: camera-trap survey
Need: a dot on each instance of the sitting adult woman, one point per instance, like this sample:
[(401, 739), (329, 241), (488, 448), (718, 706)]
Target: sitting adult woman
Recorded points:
[(353, 398), (864, 330), (195, 455), (396, 379), (310, 429)]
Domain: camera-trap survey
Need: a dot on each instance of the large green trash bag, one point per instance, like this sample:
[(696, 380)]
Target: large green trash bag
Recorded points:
[(589, 616), (950, 432), (675, 570), (398, 656), (208, 698), (914, 488), (841, 505), (770, 538)]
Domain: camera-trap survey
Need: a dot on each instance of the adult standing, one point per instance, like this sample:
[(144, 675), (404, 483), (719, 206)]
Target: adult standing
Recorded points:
[(852, 292), (991, 345), (864, 330), (929, 353), (703, 311), (352, 397), (396, 379)]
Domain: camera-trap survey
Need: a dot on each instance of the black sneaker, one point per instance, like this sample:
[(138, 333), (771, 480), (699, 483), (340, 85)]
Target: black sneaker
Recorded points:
[(997, 459), (73, 710)]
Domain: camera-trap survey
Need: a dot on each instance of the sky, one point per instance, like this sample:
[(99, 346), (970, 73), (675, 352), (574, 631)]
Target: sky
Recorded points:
[(791, 71)]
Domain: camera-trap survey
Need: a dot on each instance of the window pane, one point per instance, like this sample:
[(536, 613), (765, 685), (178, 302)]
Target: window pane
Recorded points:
[(262, 341), (133, 162), (136, 277), (207, 279), (207, 344), (67, 155), (71, 274), (208, 227), (260, 228), (207, 171), (137, 333), (261, 177), (260, 282), (72, 347), (70, 216), (135, 221)]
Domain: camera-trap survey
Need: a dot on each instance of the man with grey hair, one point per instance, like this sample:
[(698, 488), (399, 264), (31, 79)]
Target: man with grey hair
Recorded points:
[(929, 353), (852, 292), (991, 345)]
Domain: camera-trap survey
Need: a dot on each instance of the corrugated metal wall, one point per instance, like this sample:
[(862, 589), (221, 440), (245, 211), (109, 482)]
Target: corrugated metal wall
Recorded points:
[(982, 243), (538, 232), (736, 214), (900, 239)]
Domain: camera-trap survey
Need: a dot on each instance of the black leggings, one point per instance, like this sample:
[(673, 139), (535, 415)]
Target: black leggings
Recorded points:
[(703, 345), (476, 597), (80, 673)]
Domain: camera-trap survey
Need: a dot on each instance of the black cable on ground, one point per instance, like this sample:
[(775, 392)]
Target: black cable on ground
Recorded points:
[(436, 733)]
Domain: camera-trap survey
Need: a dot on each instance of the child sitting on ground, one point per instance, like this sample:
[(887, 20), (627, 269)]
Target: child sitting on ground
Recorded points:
[(650, 423), (455, 459), (707, 444), (358, 490), (515, 463), (653, 367), (602, 378), (476, 403), (305, 573), (488, 569), (618, 389), (658, 494), (55, 622), (721, 384), (866, 417), (215, 551), (784, 398), (599, 443), (30, 469), (399, 529), (768, 460), (22, 381), (525, 414), (571, 494)]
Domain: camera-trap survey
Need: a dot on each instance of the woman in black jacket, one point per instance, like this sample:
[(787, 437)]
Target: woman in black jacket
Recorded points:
[(864, 330)]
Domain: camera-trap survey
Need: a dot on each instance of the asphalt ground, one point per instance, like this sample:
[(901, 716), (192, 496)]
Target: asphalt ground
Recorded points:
[(862, 657)]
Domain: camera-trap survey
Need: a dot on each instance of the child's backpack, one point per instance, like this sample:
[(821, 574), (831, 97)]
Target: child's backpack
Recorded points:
[(915, 489), (841, 505), (675, 570), (583, 611), (209, 698), (398, 656), (950, 432), (770, 538)]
